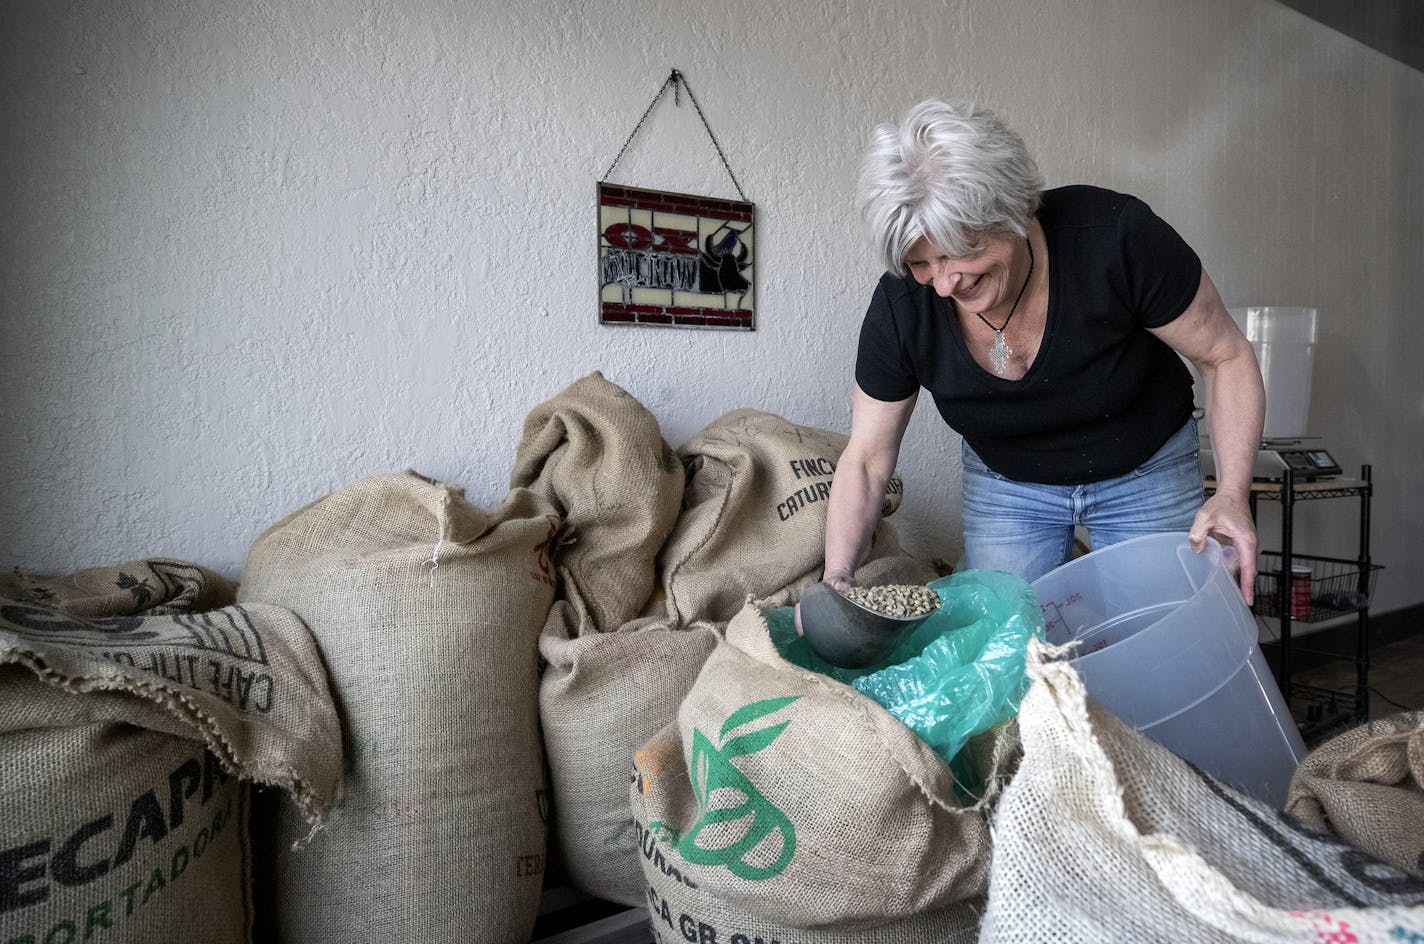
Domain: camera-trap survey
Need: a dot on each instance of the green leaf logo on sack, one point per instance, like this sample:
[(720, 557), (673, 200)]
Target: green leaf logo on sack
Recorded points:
[(714, 775)]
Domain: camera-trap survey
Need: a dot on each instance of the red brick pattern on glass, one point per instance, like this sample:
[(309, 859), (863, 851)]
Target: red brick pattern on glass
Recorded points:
[(685, 204), (614, 313)]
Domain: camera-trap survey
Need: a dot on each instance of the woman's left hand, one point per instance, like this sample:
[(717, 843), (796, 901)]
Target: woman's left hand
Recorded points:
[(1229, 521)]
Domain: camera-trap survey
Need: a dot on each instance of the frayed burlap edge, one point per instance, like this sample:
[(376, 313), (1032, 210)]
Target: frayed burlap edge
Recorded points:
[(314, 804)]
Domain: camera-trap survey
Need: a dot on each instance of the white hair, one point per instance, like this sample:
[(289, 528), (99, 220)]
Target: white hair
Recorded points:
[(951, 172)]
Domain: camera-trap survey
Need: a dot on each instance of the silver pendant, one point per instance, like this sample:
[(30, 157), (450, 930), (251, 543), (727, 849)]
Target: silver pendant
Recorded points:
[(1000, 353)]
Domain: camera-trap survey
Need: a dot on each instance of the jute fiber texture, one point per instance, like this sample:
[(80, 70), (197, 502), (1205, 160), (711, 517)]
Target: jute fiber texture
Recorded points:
[(115, 830), (427, 612), (156, 586), (787, 805), (1367, 787), (754, 518), (603, 695), (128, 740), (595, 453), (1105, 836)]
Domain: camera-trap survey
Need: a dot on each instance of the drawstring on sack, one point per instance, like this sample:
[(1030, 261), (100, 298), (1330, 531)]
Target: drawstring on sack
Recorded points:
[(434, 561)]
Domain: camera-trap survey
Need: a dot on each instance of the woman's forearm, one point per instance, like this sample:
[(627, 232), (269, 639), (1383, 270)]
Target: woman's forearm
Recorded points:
[(862, 472), (1236, 409), (857, 492)]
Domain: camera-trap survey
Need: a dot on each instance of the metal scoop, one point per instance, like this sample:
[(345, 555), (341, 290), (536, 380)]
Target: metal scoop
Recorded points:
[(846, 634)]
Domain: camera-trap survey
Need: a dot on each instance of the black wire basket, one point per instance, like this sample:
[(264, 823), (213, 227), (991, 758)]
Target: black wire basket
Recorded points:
[(1333, 587)]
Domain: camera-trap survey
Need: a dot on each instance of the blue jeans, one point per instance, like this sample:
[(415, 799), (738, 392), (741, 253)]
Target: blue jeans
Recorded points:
[(1027, 529)]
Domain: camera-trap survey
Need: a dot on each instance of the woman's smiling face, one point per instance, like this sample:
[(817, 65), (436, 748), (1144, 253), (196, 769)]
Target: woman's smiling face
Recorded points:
[(977, 283)]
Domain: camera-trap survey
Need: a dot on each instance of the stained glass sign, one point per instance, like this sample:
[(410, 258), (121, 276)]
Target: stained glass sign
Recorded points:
[(674, 260)]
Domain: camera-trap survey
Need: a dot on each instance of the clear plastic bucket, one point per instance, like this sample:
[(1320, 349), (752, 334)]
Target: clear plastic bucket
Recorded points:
[(1168, 645)]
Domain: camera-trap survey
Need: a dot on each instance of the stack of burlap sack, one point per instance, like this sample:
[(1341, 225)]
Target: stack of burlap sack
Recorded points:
[(585, 674), (470, 652), (381, 646), (782, 806), (660, 549), (429, 660)]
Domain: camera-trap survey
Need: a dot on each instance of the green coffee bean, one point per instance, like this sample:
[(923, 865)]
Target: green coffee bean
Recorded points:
[(896, 599)]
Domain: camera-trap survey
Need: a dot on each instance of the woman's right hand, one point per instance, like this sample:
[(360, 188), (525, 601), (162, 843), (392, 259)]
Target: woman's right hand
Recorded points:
[(839, 579)]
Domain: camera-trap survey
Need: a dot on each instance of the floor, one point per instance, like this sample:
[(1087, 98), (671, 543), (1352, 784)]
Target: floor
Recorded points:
[(1396, 677)]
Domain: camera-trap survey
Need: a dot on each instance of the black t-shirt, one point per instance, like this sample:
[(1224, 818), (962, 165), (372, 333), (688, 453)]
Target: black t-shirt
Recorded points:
[(1102, 394)]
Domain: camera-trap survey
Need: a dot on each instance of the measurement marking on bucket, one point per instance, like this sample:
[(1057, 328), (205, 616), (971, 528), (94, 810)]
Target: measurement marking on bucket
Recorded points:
[(1054, 623)]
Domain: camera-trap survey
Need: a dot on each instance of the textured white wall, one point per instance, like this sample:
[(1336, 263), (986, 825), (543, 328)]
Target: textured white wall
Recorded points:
[(251, 252)]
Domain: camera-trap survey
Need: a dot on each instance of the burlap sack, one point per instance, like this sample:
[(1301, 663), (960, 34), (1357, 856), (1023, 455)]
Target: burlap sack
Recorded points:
[(1367, 787), (596, 454), (784, 805), (1105, 836), (427, 612), (602, 695), (754, 518), (122, 741), (155, 586)]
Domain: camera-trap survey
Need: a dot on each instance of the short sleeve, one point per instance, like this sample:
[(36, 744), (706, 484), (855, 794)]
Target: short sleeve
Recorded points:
[(881, 369), (1163, 272)]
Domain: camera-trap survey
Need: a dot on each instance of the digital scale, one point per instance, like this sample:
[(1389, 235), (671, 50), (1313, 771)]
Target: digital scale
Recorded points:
[(1306, 463)]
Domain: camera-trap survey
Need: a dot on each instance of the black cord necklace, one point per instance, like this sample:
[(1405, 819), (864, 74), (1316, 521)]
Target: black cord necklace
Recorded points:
[(1000, 353)]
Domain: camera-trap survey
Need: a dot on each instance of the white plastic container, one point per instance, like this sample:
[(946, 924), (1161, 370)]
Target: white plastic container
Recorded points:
[(1168, 645), (1284, 339)]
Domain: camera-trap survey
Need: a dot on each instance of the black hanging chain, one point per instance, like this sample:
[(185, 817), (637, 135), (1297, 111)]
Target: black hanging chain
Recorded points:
[(679, 76), (676, 79), (661, 88)]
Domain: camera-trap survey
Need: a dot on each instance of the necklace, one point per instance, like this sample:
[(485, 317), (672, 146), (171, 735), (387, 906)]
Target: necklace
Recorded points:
[(1000, 353)]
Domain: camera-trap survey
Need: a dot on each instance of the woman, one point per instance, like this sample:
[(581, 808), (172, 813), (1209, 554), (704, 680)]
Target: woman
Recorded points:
[(1047, 326)]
